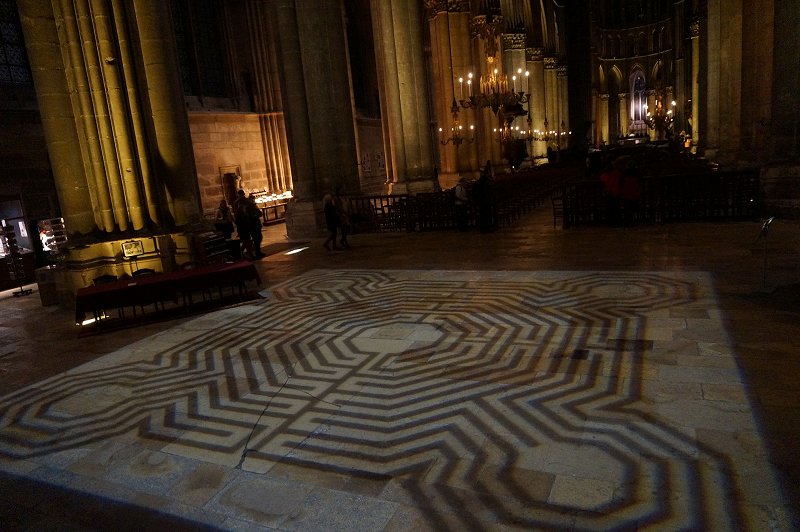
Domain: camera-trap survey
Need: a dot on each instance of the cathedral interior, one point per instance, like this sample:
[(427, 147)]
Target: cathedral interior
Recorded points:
[(533, 377)]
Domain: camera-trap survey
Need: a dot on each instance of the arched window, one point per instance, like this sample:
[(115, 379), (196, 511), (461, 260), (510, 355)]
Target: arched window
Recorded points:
[(14, 68), (639, 100)]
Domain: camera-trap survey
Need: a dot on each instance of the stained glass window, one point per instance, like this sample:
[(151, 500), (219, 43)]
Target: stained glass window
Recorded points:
[(14, 68)]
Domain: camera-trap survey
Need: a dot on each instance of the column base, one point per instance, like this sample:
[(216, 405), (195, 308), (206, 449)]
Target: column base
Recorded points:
[(415, 186), (80, 265), (303, 220)]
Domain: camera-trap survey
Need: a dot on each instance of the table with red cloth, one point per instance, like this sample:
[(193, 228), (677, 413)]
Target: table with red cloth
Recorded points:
[(160, 287)]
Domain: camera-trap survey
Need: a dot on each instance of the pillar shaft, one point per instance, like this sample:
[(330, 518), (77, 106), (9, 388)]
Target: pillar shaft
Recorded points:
[(318, 102), (268, 101), (536, 102), (623, 114), (403, 82), (94, 98)]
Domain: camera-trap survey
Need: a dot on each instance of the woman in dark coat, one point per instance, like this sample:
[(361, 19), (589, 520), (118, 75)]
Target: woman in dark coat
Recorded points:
[(331, 221)]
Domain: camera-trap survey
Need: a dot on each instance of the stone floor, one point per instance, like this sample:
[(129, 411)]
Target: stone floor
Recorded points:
[(531, 378)]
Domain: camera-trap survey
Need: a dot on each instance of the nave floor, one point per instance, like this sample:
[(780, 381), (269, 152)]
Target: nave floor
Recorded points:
[(590, 379)]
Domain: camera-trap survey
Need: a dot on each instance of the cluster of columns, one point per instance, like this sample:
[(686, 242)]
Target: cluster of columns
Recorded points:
[(267, 94), (457, 50), (113, 114)]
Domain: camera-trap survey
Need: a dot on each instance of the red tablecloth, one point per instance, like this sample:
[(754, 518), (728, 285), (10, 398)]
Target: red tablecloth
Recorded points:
[(149, 289)]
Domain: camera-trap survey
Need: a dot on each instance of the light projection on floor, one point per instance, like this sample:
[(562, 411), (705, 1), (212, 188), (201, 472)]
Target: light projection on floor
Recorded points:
[(582, 400)]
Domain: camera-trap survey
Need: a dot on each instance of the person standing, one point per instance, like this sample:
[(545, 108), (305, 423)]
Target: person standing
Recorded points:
[(243, 229), (223, 221), (331, 221), (485, 193), (461, 198), (343, 209), (255, 215)]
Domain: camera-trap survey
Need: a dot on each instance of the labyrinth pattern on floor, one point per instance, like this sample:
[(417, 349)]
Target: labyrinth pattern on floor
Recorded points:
[(557, 400)]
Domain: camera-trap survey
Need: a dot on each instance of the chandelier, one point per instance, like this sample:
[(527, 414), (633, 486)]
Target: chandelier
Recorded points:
[(456, 137), (494, 90), (661, 119), (507, 132), (550, 136)]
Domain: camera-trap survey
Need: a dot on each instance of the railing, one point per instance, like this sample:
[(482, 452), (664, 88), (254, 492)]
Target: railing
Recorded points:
[(511, 196), (665, 199)]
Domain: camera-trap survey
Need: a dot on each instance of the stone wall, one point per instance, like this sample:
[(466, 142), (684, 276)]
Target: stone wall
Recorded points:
[(224, 142), (372, 160)]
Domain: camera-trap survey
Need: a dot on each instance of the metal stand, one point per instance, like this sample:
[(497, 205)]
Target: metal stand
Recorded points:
[(763, 236)]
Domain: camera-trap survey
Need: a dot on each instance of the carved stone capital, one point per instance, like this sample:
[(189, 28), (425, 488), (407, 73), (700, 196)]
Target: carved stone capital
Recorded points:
[(550, 63), (604, 97), (458, 6), (694, 27), (434, 7), (562, 71), (533, 54), (513, 41)]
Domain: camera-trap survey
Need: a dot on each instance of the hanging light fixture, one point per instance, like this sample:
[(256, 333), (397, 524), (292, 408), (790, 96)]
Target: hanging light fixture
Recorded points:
[(456, 136), (661, 119), (494, 91)]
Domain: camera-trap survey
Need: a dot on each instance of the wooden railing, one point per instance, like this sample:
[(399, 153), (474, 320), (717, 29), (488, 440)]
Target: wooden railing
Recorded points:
[(512, 196), (664, 199)]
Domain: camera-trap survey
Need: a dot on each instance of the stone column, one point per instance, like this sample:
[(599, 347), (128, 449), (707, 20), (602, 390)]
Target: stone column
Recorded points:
[(169, 139), (604, 136), (76, 194), (729, 97), (536, 103), (694, 30), (563, 104), (551, 92), (713, 67), (623, 113), (452, 62), (318, 106), (113, 114), (401, 71), (268, 101)]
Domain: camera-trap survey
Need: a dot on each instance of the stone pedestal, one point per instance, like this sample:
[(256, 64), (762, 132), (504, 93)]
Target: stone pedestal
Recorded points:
[(301, 220)]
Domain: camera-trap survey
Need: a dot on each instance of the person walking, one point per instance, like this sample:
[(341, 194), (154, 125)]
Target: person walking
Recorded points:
[(223, 221), (460, 199), (331, 221), (342, 204)]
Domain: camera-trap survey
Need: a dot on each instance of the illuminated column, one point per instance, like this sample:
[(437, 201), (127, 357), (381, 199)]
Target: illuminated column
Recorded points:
[(551, 92), (623, 114), (563, 105), (404, 102), (113, 114), (450, 47), (317, 105), (267, 95), (536, 103), (604, 119), (170, 141), (694, 31)]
